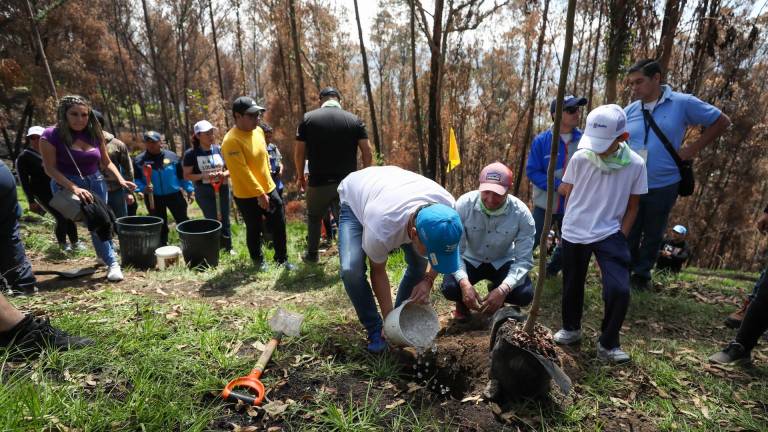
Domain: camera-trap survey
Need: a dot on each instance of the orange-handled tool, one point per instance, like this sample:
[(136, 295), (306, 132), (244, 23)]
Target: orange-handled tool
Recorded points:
[(148, 177), (283, 323), (216, 183)]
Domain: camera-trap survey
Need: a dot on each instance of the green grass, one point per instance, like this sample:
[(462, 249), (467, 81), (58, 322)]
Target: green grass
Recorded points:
[(166, 343)]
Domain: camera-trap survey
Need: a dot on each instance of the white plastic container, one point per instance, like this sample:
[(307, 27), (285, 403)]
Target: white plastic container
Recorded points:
[(412, 324), (167, 256)]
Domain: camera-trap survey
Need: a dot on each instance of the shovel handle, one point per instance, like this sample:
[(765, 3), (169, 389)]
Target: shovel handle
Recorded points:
[(265, 356), (148, 177), (216, 187)]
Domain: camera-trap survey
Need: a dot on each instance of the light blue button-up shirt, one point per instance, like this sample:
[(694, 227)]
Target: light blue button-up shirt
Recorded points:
[(674, 113), (496, 239)]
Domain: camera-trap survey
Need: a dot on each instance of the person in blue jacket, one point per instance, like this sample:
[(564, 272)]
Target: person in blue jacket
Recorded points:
[(167, 182), (536, 169)]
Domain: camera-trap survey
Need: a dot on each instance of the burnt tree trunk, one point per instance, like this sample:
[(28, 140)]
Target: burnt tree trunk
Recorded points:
[(367, 79)]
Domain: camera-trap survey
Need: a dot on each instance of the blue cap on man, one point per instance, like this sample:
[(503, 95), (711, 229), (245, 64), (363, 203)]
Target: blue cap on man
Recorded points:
[(568, 101), (439, 228)]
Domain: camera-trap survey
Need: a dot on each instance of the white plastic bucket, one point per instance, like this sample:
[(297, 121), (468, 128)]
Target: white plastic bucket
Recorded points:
[(412, 324), (167, 256)]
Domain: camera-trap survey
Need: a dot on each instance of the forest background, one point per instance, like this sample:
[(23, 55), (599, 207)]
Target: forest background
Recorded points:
[(487, 69)]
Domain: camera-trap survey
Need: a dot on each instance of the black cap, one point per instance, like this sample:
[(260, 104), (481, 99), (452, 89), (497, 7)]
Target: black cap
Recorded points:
[(152, 136), (568, 101), (329, 91), (246, 105)]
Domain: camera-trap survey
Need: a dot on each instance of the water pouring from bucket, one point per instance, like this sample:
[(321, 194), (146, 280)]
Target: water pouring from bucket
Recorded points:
[(412, 324)]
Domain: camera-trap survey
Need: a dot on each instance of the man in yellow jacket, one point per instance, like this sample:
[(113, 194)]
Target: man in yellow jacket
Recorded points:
[(255, 193)]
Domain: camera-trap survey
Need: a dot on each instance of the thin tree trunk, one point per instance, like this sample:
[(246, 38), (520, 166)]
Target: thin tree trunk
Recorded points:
[(297, 57), (41, 51), (618, 36), (531, 105), (416, 99), (594, 58), (238, 33), (218, 62), (367, 79), (434, 139), (672, 13), (156, 71), (533, 315)]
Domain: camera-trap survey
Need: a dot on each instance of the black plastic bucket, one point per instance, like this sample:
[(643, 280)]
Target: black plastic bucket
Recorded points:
[(200, 239), (139, 237)]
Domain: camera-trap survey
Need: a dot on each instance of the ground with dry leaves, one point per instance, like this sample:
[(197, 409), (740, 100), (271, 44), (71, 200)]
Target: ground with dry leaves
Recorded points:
[(167, 342)]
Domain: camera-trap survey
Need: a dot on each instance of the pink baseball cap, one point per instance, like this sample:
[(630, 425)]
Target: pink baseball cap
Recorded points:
[(496, 178)]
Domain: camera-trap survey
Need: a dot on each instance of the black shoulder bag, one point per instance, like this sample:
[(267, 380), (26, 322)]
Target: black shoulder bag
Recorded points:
[(688, 181)]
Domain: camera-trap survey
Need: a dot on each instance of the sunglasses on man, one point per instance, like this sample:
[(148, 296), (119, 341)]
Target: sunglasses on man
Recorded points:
[(572, 110)]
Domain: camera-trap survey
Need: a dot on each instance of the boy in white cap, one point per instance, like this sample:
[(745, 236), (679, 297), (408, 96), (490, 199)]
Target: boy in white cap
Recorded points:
[(602, 186), (674, 250)]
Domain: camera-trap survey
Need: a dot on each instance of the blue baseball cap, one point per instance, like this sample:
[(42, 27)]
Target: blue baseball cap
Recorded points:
[(152, 136), (568, 101), (439, 228), (680, 229)]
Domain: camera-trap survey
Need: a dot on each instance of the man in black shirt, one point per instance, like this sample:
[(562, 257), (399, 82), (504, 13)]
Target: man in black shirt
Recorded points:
[(329, 138)]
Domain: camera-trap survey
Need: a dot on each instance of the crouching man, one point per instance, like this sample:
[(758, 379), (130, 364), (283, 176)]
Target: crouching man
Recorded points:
[(496, 246), (382, 209)]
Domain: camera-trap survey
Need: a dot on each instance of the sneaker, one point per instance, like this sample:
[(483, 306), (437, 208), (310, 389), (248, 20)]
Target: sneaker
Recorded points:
[(461, 313), (261, 266), (65, 247), (376, 343), (80, 246), (734, 319), (733, 354), (567, 337), (613, 355), (23, 292), (310, 258), (115, 274), (639, 283), (33, 335), (285, 265)]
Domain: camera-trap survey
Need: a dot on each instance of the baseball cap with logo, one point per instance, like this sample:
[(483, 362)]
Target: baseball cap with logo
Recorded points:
[(496, 178), (203, 126), (35, 130), (568, 101), (439, 228), (246, 105), (604, 124)]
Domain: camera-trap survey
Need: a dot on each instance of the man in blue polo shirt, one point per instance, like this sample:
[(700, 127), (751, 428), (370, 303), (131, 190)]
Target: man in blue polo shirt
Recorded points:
[(536, 169), (673, 112)]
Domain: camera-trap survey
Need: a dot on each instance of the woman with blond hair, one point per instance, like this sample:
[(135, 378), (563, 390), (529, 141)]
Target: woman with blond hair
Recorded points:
[(73, 151)]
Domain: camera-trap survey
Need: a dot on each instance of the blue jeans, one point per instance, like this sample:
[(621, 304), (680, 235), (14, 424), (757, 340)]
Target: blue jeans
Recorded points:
[(612, 256), (648, 231), (116, 201), (353, 271), (206, 200), (555, 263), (95, 184)]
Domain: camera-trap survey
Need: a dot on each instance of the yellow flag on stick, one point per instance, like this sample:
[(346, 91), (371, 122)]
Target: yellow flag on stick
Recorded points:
[(453, 151)]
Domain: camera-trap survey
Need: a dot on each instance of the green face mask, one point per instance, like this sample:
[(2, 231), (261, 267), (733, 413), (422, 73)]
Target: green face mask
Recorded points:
[(496, 212), (618, 160)]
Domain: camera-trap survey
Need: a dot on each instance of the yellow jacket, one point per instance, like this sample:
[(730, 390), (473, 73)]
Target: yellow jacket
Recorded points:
[(245, 154)]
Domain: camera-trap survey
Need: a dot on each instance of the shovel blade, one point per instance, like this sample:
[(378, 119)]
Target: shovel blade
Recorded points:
[(287, 323)]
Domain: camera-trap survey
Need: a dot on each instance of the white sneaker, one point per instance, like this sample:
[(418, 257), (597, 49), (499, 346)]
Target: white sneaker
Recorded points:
[(613, 355), (80, 246), (115, 274), (567, 337)]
